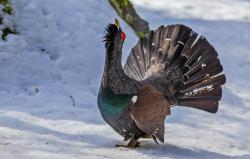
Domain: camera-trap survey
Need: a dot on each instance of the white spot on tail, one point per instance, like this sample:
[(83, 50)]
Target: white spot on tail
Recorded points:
[(180, 42), (199, 58), (134, 99), (199, 90), (203, 65)]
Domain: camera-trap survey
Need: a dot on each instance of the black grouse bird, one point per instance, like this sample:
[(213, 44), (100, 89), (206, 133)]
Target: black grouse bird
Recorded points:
[(170, 66)]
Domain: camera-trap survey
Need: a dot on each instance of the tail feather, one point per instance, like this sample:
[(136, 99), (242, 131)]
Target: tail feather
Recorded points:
[(199, 50), (177, 46), (138, 67), (202, 104), (212, 69), (199, 65), (186, 52), (206, 92), (218, 80)]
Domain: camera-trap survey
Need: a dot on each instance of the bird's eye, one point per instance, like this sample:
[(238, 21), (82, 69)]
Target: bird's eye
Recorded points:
[(123, 36)]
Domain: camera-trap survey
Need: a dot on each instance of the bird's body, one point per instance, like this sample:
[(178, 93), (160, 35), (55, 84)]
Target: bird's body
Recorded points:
[(168, 67), (115, 111)]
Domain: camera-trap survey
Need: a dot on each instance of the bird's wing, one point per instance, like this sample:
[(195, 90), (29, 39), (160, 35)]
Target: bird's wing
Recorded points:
[(150, 111)]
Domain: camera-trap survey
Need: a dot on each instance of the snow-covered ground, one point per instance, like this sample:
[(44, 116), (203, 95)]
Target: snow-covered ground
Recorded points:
[(58, 53)]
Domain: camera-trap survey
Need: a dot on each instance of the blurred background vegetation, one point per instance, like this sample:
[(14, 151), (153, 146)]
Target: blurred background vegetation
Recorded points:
[(6, 10)]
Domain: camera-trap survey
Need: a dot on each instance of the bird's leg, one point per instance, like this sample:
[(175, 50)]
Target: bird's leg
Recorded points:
[(133, 143)]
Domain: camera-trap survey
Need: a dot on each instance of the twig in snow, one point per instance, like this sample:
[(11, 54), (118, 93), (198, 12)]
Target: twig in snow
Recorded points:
[(73, 100)]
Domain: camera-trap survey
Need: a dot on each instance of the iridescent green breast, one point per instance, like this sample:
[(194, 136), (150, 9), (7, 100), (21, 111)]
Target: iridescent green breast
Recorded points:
[(112, 104)]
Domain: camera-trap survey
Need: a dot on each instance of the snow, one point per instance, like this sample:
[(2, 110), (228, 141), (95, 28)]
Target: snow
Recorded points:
[(59, 53), (237, 10)]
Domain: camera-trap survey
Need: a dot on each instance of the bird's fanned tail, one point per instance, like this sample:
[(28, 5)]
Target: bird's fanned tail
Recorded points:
[(199, 77)]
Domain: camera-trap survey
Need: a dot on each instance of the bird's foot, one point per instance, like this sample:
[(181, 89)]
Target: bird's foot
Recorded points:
[(131, 144)]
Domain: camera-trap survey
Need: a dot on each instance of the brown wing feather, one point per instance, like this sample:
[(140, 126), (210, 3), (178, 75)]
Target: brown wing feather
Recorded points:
[(150, 111)]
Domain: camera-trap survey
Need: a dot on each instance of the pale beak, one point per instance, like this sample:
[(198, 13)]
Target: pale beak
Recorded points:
[(117, 24)]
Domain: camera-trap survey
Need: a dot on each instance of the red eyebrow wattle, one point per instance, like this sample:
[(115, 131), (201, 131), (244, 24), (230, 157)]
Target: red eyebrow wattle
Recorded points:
[(123, 36)]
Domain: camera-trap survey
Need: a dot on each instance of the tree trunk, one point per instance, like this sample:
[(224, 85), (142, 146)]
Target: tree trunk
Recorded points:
[(126, 11)]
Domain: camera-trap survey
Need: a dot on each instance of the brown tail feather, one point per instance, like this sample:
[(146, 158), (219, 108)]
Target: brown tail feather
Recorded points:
[(202, 104)]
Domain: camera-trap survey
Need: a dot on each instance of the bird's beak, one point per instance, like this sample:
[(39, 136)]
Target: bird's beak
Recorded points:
[(117, 23)]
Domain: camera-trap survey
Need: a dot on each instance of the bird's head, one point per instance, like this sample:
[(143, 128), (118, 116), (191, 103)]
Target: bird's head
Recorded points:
[(114, 36)]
